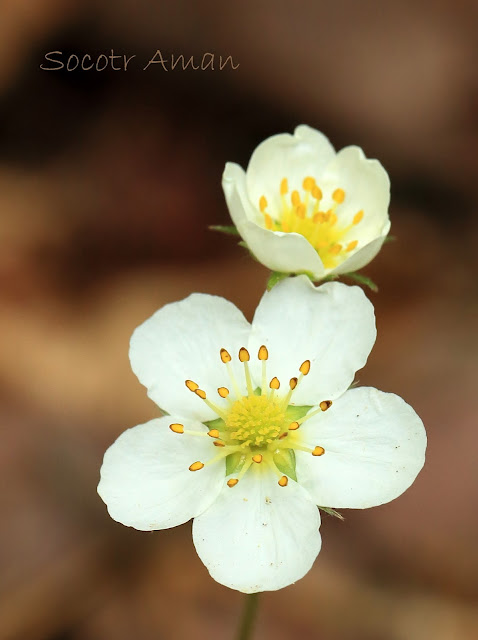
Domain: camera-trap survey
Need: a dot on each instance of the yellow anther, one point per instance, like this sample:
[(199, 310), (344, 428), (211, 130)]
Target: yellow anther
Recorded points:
[(351, 245), (257, 458), (283, 435), (268, 221), (232, 482), (223, 392), (177, 428), (244, 355), (283, 481), (293, 426), (305, 367), (316, 192), (308, 184), (295, 198), (196, 466), (339, 196), (333, 219), (357, 217), (225, 356), (318, 217), (200, 393), (300, 211), (262, 203), (214, 433), (325, 404), (217, 443), (274, 383), (318, 451), (263, 353), (284, 186), (192, 386), (293, 383), (335, 249)]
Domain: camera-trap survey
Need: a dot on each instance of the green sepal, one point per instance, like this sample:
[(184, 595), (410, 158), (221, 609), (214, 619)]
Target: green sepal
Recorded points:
[(293, 413), (234, 462), (389, 238), (275, 278), (230, 230), (361, 279), (285, 462), (332, 512), (217, 423)]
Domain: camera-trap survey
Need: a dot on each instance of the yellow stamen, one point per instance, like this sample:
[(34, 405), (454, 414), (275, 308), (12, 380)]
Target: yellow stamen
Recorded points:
[(325, 404), (284, 186), (308, 184), (318, 451), (177, 428), (293, 426), (335, 249), (268, 221), (293, 383), (351, 245), (316, 192), (214, 433), (196, 466), (283, 435), (225, 356), (283, 481), (274, 383), (300, 211), (200, 393), (357, 217), (263, 353), (257, 458), (192, 386), (232, 482), (295, 198), (305, 367), (217, 443), (244, 354), (262, 204), (339, 196), (223, 392)]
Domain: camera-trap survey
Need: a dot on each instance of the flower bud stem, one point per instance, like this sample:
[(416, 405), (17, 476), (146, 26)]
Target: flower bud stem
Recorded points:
[(248, 616)]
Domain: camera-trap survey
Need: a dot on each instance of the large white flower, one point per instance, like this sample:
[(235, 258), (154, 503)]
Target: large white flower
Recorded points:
[(302, 208), (262, 428)]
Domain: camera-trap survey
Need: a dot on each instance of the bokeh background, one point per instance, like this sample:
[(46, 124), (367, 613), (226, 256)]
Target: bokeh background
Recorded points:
[(108, 181)]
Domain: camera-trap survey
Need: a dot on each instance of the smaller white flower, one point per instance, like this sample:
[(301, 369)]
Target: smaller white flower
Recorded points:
[(272, 431), (303, 208)]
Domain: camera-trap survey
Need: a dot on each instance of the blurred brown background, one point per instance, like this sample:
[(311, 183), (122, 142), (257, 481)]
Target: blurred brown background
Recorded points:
[(108, 181)]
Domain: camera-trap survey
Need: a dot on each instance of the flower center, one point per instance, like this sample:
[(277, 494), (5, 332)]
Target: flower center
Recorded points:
[(304, 213), (259, 428)]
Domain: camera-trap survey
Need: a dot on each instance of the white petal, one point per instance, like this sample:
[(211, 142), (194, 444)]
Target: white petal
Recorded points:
[(182, 342), (285, 252), (367, 187), (333, 326), (258, 536), (306, 153), (145, 477), (362, 256), (374, 448)]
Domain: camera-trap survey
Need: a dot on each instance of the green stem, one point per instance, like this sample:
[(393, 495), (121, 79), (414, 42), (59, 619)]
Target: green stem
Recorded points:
[(248, 616)]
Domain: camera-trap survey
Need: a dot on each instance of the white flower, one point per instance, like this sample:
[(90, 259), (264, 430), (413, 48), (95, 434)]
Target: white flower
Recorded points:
[(302, 208), (272, 431)]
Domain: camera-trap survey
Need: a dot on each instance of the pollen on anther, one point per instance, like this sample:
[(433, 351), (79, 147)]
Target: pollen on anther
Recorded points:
[(318, 451), (244, 355), (196, 466), (225, 356), (218, 443), (351, 245), (177, 428), (274, 383), (293, 383), (213, 433), (295, 198), (300, 210), (257, 458), (192, 386), (268, 221), (223, 392), (308, 183), (357, 217), (339, 196), (262, 203), (283, 481), (305, 367), (325, 404), (232, 482), (200, 393), (317, 192), (263, 353), (284, 186), (283, 435), (335, 249), (293, 426)]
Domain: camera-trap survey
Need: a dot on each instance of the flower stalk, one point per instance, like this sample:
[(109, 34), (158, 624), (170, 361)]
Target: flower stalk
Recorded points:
[(248, 619)]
